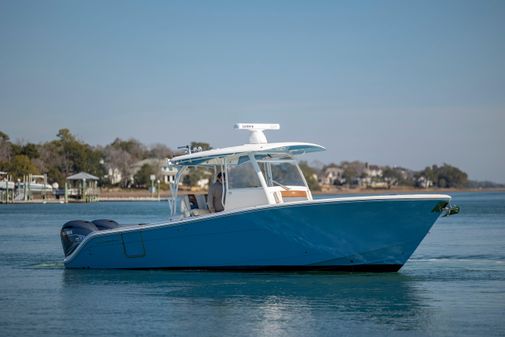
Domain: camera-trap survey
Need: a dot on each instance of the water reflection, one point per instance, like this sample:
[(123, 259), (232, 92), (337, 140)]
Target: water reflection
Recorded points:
[(263, 303)]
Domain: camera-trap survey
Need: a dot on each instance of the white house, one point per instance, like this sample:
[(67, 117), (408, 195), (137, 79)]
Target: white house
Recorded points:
[(166, 173), (332, 175), (373, 171), (424, 182), (114, 175)]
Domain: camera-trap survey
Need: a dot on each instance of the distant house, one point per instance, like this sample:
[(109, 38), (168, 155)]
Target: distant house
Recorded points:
[(372, 171), (332, 175), (406, 173), (373, 177), (424, 182), (166, 172), (114, 175)]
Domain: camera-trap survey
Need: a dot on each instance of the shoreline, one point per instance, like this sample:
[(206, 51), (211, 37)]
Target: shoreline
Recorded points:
[(145, 196), (402, 190)]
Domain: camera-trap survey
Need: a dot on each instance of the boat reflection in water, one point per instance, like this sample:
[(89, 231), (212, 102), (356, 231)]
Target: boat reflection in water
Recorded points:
[(251, 303), (270, 221)]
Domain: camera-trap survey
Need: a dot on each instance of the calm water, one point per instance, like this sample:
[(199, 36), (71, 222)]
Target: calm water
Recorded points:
[(454, 285)]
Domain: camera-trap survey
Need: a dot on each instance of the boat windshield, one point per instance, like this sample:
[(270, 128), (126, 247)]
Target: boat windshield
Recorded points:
[(281, 173), (242, 175)]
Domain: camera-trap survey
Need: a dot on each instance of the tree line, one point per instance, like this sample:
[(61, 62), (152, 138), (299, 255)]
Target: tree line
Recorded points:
[(67, 155), (354, 172)]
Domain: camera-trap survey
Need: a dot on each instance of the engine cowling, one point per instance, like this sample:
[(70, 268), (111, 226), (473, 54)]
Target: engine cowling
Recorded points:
[(73, 233), (104, 224)]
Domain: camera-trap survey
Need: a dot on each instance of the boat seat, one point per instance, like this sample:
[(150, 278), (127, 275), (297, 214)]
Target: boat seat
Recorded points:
[(192, 201), (195, 205), (201, 199)]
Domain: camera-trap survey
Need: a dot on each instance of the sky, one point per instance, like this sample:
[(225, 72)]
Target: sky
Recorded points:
[(407, 83)]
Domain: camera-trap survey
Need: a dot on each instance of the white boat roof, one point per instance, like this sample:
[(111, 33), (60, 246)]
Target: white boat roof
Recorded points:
[(205, 157), (83, 176)]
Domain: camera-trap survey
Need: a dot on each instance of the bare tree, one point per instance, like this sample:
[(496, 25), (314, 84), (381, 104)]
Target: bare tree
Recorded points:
[(160, 151), (5, 147), (118, 159)]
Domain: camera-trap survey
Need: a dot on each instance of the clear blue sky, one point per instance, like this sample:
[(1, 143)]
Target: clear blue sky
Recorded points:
[(410, 83)]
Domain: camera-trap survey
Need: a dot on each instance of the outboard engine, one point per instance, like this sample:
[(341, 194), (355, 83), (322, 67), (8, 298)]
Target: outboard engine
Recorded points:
[(73, 233), (103, 224)]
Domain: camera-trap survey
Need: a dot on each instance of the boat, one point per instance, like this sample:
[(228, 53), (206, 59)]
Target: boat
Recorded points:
[(271, 221), (5, 183), (36, 187)]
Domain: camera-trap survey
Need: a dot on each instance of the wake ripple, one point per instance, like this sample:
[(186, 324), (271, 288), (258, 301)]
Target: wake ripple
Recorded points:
[(48, 265)]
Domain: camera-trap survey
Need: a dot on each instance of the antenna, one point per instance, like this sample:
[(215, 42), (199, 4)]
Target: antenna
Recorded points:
[(257, 136)]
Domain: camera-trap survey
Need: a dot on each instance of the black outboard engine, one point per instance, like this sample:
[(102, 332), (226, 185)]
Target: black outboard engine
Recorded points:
[(103, 224), (73, 233)]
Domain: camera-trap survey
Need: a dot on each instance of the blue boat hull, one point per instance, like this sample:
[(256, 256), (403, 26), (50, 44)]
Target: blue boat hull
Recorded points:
[(332, 234)]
